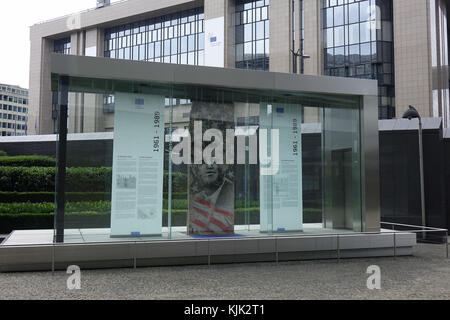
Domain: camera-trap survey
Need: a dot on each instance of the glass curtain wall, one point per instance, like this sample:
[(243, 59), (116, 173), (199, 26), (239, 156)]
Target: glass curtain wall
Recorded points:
[(62, 46), (252, 34), (190, 161), (358, 42), (176, 38)]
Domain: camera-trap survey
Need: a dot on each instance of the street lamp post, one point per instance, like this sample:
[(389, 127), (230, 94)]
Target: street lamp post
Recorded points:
[(302, 60), (410, 114)]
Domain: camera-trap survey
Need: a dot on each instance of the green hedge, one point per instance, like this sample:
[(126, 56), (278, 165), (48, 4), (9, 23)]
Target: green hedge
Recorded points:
[(176, 195), (88, 206), (37, 197), (179, 182), (21, 179), (3, 153), (49, 207), (88, 179), (40, 179), (26, 161)]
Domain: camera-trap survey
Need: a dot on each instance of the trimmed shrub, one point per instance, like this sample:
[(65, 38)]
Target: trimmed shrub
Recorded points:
[(177, 204), (88, 179), (27, 161), (49, 207), (36, 197), (179, 182), (40, 179), (21, 179), (3, 153), (176, 195)]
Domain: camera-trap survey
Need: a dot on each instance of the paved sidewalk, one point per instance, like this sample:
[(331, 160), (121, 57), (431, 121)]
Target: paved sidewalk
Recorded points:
[(423, 276)]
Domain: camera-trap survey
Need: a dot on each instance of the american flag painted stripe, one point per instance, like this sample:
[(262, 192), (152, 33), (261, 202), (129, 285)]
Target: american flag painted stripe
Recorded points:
[(202, 225), (203, 213), (213, 220), (206, 203)]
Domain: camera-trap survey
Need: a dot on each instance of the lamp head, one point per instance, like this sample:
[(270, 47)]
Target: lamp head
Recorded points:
[(411, 113)]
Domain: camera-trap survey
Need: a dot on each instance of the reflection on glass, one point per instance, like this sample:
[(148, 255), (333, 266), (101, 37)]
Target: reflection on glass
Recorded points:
[(315, 182), (361, 26)]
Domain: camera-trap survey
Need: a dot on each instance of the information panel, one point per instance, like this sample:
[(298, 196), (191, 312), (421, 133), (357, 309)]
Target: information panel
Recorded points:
[(281, 192), (138, 165)]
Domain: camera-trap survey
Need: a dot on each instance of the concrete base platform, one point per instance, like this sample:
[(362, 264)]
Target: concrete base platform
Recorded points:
[(25, 255)]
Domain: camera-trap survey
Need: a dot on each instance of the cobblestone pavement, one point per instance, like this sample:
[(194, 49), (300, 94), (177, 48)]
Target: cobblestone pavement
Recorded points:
[(426, 275)]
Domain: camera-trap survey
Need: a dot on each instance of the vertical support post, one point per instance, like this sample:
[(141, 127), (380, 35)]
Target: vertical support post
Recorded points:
[(422, 186), (276, 250), (209, 254), (247, 167), (63, 101), (446, 243), (135, 254), (53, 259), (395, 245), (169, 191), (338, 248)]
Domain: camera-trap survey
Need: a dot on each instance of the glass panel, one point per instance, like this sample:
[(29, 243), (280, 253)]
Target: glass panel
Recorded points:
[(294, 162), (339, 36), (252, 26), (354, 33), (341, 151)]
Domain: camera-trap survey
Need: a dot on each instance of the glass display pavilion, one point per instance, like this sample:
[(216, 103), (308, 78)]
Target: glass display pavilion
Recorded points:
[(212, 164)]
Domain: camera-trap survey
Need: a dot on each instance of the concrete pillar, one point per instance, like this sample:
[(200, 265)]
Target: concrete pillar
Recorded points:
[(46, 123), (313, 37), (281, 36), (222, 9), (413, 81)]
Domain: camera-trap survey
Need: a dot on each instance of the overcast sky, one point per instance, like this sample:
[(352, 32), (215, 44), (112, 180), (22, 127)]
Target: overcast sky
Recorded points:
[(17, 17)]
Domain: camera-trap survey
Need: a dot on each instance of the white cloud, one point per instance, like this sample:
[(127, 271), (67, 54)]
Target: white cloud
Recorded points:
[(17, 17)]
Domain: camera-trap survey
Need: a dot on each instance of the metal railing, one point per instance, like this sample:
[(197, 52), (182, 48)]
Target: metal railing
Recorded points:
[(427, 234), (338, 236)]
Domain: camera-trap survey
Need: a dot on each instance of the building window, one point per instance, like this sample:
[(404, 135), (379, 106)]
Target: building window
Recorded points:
[(62, 46), (177, 38), (358, 44), (252, 34), (108, 103)]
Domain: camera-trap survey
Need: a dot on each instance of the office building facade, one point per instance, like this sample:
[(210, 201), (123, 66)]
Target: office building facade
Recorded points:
[(401, 43), (13, 110)]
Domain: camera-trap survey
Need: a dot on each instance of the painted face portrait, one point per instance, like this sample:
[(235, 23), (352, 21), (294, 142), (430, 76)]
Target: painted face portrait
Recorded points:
[(209, 174)]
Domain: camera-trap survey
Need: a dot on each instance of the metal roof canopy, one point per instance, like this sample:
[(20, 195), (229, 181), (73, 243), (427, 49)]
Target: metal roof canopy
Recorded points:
[(127, 70)]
